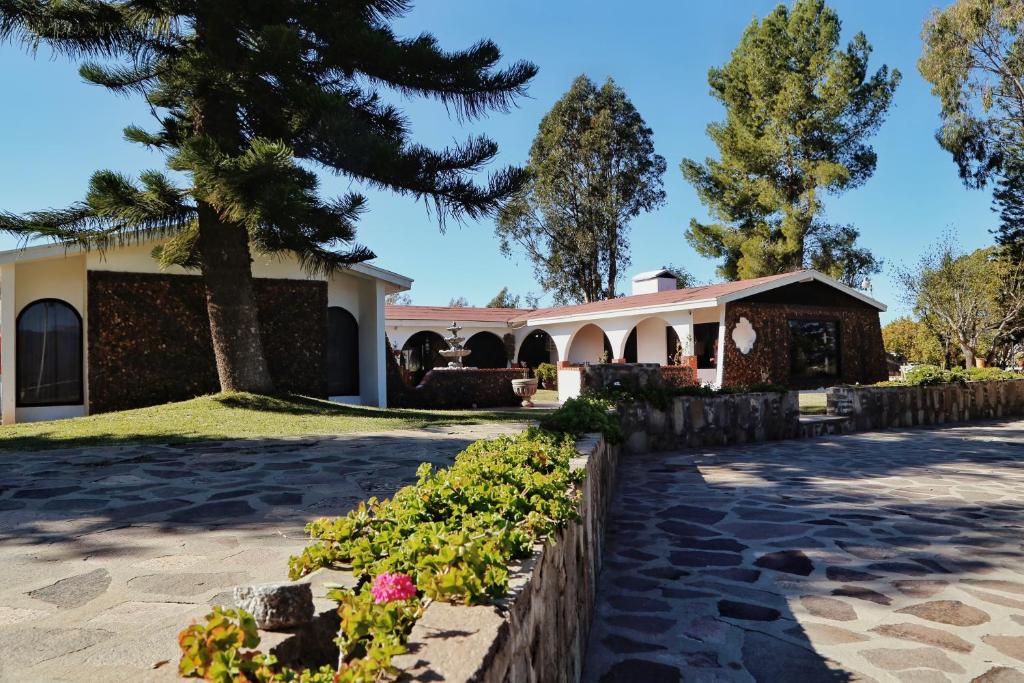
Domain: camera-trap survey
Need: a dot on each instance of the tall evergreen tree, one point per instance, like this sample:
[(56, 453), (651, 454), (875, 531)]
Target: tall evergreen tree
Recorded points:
[(799, 111), (592, 170), (1008, 202), (244, 92)]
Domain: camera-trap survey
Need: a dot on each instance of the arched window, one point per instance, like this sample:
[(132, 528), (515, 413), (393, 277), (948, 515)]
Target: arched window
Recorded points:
[(342, 353), (49, 354)]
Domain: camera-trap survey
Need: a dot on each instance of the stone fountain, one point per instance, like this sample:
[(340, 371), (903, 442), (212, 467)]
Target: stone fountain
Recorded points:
[(455, 352)]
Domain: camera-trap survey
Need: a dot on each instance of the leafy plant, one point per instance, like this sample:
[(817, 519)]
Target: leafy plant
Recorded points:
[(547, 373), (584, 414), (930, 375), (222, 650)]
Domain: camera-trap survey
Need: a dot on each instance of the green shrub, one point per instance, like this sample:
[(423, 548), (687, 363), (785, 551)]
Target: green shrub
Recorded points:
[(932, 375), (547, 374), (986, 374), (454, 533), (584, 414), (455, 530), (929, 375)]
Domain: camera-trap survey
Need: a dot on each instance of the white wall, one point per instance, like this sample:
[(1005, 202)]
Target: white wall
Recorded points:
[(60, 278), (570, 383), (587, 346), (65, 278), (651, 342)]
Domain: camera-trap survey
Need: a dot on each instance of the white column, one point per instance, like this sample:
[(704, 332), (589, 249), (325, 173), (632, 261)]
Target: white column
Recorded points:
[(617, 332), (373, 389), (682, 323), (8, 336)]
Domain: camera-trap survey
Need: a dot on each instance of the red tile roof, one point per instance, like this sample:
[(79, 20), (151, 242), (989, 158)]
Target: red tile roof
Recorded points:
[(512, 315), (462, 314), (672, 296)]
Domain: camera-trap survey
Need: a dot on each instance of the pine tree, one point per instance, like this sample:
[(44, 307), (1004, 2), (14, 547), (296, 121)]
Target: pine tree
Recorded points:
[(244, 92), (504, 299), (798, 113), (1008, 202)]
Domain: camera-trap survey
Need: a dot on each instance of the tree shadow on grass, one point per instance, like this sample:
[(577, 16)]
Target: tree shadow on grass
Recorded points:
[(819, 560), (229, 417)]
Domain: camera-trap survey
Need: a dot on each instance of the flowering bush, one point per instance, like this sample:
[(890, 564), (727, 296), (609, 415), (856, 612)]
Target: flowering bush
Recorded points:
[(450, 536), (388, 587)]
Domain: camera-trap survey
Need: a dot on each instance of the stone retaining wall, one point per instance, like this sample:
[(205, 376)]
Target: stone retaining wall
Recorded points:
[(699, 421), (884, 407), (539, 631)]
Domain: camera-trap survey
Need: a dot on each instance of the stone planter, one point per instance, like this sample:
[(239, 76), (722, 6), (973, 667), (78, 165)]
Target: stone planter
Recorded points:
[(525, 389)]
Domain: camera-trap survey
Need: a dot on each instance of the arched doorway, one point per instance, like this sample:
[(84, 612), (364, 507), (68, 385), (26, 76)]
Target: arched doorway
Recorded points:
[(537, 348), (673, 345), (420, 354), (342, 353), (488, 351), (590, 345)]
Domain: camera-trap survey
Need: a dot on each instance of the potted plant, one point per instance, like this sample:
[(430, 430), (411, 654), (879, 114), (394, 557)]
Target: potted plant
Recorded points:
[(547, 374), (525, 388)]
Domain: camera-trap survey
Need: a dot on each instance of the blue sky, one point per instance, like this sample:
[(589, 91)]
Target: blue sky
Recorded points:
[(55, 131)]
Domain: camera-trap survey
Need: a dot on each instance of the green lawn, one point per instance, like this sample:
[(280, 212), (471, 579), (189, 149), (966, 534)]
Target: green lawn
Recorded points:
[(546, 395), (235, 416), (812, 403)]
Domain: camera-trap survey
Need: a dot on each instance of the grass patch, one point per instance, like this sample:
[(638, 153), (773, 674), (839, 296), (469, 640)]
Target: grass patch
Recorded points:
[(812, 403), (546, 395), (236, 416)]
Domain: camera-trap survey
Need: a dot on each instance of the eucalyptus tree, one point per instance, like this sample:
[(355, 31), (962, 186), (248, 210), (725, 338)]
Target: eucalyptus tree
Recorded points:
[(593, 170)]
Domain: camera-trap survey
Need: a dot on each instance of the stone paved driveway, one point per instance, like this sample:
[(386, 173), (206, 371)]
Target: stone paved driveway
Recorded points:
[(106, 553), (894, 556)]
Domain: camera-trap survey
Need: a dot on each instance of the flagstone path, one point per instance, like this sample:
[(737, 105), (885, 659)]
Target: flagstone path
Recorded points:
[(892, 556), (106, 553)]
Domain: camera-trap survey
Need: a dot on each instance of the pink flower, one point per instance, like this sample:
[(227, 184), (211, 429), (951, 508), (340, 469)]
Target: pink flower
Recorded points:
[(388, 587)]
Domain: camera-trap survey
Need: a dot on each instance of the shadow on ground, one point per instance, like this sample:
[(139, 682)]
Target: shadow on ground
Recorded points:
[(236, 416), (886, 556)]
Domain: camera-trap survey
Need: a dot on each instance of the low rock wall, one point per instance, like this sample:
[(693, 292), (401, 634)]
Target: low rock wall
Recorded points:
[(885, 407), (539, 631), (699, 421)]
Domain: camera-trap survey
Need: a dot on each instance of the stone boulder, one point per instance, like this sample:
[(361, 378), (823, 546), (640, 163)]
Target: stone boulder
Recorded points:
[(277, 606)]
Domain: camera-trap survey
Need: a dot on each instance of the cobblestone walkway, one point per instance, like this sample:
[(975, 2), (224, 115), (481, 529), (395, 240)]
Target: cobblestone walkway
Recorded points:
[(106, 553), (893, 556)]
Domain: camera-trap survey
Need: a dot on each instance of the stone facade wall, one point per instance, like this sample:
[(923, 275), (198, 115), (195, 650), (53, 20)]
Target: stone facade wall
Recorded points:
[(684, 375), (539, 632), (884, 407), (700, 421), (861, 353), (149, 338), (471, 388)]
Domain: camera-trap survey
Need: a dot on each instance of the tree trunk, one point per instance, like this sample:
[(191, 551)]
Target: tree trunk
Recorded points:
[(968, 356), (231, 305)]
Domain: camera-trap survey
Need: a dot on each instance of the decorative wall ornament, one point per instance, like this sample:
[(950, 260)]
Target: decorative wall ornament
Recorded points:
[(744, 336)]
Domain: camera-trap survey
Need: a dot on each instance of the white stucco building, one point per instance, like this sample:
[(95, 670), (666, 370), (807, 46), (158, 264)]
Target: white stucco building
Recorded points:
[(71, 341), (714, 327)]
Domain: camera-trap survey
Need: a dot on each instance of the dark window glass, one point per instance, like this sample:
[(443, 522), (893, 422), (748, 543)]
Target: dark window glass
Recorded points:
[(814, 348), (49, 354), (705, 345), (342, 353)]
